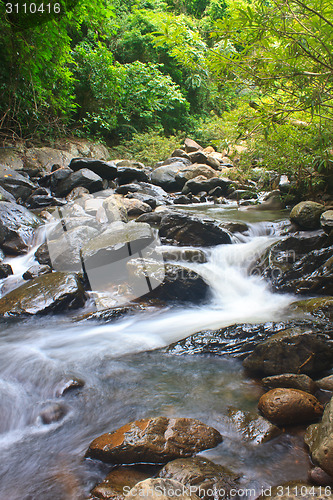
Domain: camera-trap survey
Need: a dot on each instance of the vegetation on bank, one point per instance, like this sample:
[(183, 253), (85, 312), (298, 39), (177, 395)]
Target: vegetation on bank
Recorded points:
[(141, 74)]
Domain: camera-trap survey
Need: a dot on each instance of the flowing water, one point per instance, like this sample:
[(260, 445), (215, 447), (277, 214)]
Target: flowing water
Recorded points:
[(127, 377)]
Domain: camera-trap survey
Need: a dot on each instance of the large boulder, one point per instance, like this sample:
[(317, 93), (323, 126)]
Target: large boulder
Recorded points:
[(82, 178), (201, 474), (160, 489), (184, 229), (165, 175), (319, 438), (17, 227), (154, 440), (41, 160), (105, 169), (290, 406), (307, 215), (326, 221), (301, 349), (131, 174), (200, 184), (16, 184), (53, 292)]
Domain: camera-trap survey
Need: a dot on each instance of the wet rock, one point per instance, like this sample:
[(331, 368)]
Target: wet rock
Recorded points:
[(290, 381), (53, 413), (289, 406), (136, 207), (154, 440), (301, 349), (105, 169), (17, 226), (82, 178), (42, 255), (320, 477), (295, 490), (326, 221), (235, 340), (235, 227), (53, 178), (326, 383), (320, 307), (201, 184), (131, 174), (165, 175), (182, 285), (191, 145), (201, 474), (307, 215), (319, 438), (185, 254), (162, 489), (185, 229), (68, 385), (253, 427), (5, 270), (16, 184), (35, 271), (312, 274), (117, 483), (41, 198), (55, 292)]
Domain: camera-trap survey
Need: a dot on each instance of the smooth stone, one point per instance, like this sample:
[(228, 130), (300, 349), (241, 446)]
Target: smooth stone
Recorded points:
[(326, 221), (306, 215), (290, 381), (17, 227), (53, 413), (325, 383), (289, 406), (320, 477), (160, 489), (55, 292), (42, 255), (165, 175), (154, 440)]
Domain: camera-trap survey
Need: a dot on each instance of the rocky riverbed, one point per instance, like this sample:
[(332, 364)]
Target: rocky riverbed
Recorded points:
[(164, 329)]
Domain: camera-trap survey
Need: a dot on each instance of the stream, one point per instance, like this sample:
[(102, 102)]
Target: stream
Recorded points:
[(128, 377)]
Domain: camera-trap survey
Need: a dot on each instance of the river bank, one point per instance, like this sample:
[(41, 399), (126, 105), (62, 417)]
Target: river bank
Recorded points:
[(82, 356)]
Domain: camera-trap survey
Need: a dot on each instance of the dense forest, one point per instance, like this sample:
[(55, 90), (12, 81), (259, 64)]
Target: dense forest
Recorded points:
[(140, 74)]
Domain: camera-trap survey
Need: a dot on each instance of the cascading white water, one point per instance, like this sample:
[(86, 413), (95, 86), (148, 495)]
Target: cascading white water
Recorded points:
[(36, 354)]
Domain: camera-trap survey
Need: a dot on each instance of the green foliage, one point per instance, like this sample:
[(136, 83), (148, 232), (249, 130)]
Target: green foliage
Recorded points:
[(149, 147)]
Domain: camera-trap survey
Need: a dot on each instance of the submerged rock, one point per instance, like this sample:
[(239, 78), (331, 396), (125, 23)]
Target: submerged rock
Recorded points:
[(69, 384), (307, 215), (55, 292), (289, 406), (154, 440), (291, 381), (160, 489), (201, 474), (185, 229), (303, 349), (53, 413), (253, 427), (319, 438)]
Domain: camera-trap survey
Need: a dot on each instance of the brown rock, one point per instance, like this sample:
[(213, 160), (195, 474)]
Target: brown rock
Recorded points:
[(191, 145), (201, 473), (319, 476), (160, 489), (154, 440), (253, 427), (289, 406), (112, 488), (291, 381), (326, 383)]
